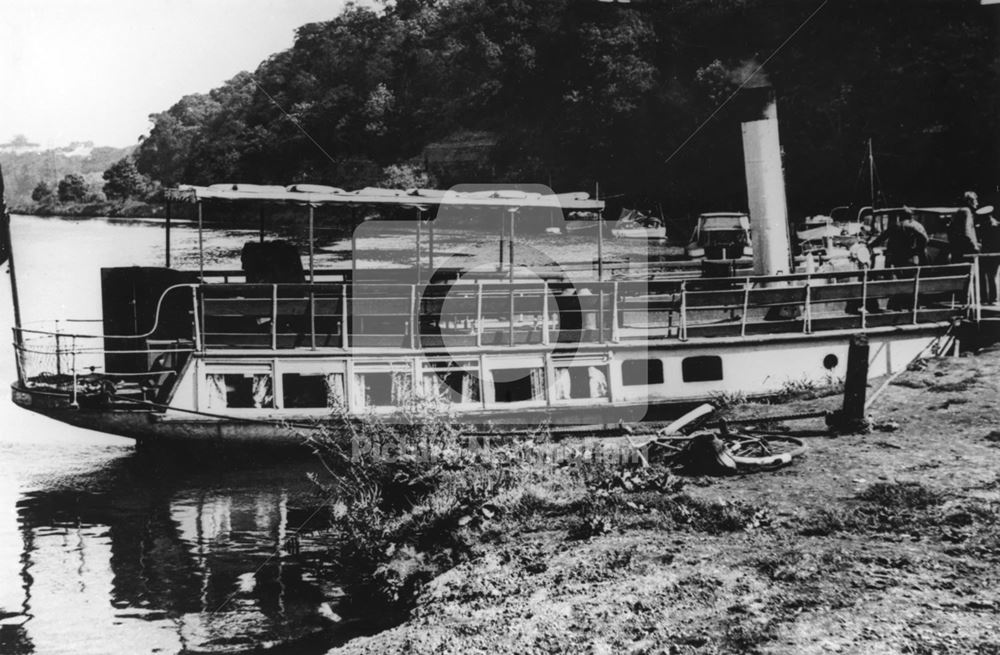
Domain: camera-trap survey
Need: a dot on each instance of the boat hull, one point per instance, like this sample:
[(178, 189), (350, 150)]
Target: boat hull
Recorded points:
[(754, 369)]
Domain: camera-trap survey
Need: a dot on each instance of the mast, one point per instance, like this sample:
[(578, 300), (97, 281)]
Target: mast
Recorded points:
[(600, 235), (871, 173), (7, 252)]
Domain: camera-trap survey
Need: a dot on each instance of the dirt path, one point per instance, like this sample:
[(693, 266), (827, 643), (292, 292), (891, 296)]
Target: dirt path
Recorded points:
[(880, 543)]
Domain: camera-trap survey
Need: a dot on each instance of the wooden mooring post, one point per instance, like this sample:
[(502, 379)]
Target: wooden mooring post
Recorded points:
[(851, 419)]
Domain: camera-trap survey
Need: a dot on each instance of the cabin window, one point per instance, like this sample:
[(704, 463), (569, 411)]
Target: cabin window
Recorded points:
[(513, 385), (642, 372), (706, 368), (304, 390), (452, 382), (573, 382), (382, 388), (240, 390)]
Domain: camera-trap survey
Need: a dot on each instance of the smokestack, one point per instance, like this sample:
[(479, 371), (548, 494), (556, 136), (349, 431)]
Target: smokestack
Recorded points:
[(765, 182)]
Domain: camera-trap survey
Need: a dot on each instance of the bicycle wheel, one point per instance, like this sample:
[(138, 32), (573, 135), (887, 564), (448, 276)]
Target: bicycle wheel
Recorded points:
[(764, 450), (666, 449)]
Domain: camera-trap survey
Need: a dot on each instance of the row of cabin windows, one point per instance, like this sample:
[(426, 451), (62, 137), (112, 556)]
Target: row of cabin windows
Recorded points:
[(450, 385), (645, 372)]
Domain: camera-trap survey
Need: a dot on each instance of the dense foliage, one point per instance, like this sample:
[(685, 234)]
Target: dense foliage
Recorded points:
[(42, 193), (578, 92), (72, 188), (25, 170), (123, 181)]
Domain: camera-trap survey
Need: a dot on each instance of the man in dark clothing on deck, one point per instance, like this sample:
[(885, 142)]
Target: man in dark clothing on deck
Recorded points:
[(905, 245), (905, 241), (962, 228), (989, 263)]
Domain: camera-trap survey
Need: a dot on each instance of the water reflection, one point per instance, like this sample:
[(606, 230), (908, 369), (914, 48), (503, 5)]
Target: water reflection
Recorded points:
[(139, 556)]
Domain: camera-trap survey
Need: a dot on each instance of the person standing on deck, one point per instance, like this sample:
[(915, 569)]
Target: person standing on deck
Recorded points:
[(962, 228), (905, 242), (989, 263), (905, 245)]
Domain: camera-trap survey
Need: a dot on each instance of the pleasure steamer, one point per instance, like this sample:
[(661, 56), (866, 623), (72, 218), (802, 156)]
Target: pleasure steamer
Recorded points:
[(259, 354)]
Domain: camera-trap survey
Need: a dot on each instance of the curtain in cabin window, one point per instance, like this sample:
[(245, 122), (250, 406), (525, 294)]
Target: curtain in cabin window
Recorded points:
[(216, 391), (434, 388), (358, 395), (334, 390), (402, 388), (538, 384), (263, 395), (598, 382), (470, 388), (561, 384)]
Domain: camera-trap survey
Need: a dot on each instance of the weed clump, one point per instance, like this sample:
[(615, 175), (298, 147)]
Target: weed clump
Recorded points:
[(881, 507), (413, 499), (418, 497), (901, 496)]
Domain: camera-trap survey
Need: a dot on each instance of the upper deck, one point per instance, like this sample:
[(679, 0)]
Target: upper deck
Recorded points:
[(469, 316)]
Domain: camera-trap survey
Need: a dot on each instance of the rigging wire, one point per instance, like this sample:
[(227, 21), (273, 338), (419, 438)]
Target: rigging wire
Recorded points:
[(746, 81)]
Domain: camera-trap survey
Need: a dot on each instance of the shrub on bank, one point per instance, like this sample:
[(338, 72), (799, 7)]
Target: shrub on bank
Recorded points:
[(416, 497), (413, 498)]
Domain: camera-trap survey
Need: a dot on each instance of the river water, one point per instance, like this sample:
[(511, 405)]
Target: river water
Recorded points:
[(106, 550)]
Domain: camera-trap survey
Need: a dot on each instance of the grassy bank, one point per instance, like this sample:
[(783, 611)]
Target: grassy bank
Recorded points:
[(880, 543)]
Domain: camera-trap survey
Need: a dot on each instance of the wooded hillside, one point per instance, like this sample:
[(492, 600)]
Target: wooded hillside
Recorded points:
[(573, 92)]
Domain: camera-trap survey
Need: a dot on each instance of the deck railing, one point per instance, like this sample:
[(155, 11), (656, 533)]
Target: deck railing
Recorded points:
[(79, 363), (467, 315), (493, 313)]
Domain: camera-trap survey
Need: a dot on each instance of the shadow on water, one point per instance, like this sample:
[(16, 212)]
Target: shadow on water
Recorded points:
[(149, 553)]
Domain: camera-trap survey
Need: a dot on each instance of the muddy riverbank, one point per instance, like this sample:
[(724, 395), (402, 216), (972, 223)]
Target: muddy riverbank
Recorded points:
[(881, 543)]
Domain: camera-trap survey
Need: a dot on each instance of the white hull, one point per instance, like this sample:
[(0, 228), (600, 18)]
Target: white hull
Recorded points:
[(640, 233), (748, 368)]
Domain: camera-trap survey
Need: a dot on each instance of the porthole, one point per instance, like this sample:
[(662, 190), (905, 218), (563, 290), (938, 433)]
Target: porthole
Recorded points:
[(830, 362)]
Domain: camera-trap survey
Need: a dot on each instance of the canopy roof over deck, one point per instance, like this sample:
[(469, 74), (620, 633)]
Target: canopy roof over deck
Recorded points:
[(315, 195)]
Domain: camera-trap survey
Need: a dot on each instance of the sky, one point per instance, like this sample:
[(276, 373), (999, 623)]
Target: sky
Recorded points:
[(94, 70)]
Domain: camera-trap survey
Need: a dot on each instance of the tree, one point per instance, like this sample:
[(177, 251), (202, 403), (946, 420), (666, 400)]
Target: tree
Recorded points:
[(72, 188), (123, 180), (42, 193), (405, 176)]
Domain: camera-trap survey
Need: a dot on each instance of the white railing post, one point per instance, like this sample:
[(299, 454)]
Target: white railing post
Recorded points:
[(615, 335), (864, 299), (916, 295), (196, 310), (975, 291), (274, 317), (312, 318), (545, 313), (58, 354), (746, 307), (683, 332), (510, 308), (344, 328), (413, 317), (807, 323), (73, 402), (479, 313)]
